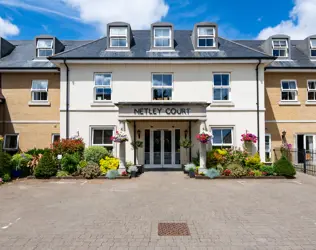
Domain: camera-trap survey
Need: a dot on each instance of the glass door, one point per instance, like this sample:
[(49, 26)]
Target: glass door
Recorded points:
[(167, 148), (157, 149), (309, 144)]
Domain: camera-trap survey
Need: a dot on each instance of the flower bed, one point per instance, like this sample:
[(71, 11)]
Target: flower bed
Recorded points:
[(203, 177)]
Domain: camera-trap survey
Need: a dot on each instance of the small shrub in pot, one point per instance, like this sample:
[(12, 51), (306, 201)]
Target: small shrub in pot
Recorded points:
[(192, 172), (133, 171)]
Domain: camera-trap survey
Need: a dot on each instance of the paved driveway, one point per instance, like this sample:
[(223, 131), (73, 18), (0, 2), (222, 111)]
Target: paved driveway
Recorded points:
[(124, 214)]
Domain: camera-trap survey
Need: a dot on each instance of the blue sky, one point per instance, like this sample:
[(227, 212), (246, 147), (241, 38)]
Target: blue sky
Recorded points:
[(86, 19)]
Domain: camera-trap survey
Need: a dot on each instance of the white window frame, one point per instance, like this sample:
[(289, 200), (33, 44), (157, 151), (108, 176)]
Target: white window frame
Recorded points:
[(161, 87), (102, 86), (222, 128), (93, 128), (270, 146), (286, 48), (222, 87), (199, 36), (4, 142), (53, 135), (118, 36), (311, 90), (162, 37), (39, 91), (38, 48), (289, 90), (312, 48)]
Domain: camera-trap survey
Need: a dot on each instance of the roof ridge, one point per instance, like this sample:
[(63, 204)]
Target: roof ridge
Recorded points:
[(246, 47), (61, 53)]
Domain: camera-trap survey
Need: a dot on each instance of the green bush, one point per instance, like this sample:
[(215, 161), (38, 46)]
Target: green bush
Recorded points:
[(82, 164), (20, 162), (38, 151), (254, 162), (6, 177), (268, 169), (47, 167), (236, 170), (95, 154), (62, 174), (284, 167), (257, 173), (112, 174), (92, 170), (69, 162), (5, 163)]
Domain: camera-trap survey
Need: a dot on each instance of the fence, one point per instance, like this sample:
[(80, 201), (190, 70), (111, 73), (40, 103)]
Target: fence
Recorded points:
[(303, 160)]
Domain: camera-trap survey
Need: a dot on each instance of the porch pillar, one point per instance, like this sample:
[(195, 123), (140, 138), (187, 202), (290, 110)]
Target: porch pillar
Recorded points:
[(122, 168), (202, 150)]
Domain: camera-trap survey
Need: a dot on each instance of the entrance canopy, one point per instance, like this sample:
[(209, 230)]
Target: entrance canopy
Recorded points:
[(162, 110)]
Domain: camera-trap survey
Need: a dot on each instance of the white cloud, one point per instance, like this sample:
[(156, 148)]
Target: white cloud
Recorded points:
[(139, 13), (7, 28), (300, 25)]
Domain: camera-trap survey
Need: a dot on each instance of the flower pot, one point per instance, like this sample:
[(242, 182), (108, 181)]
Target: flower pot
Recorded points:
[(248, 146), (191, 174), (133, 174), (16, 173)]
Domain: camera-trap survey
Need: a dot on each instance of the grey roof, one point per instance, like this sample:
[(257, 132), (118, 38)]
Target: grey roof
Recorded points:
[(299, 58), (140, 49), (23, 55)]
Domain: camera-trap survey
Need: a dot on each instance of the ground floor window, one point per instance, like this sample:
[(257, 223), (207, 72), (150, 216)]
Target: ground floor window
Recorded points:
[(55, 138), (102, 137), (11, 142), (222, 137), (268, 148)]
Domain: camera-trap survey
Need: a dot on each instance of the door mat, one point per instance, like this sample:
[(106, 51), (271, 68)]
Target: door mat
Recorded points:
[(173, 229)]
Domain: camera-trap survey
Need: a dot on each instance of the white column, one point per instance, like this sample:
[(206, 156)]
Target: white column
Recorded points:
[(122, 151), (202, 150)]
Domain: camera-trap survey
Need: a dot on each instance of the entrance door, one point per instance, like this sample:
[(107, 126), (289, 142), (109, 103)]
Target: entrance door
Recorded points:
[(160, 148), (309, 143)]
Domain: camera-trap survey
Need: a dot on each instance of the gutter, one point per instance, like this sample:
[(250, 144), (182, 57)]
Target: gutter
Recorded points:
[(67, 100), (258, 105)]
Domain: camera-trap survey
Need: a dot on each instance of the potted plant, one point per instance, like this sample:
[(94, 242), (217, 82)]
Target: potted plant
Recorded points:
[(248, 139), (133, 171), (186, 144), (192, 172), (204, 137), (119, 137)]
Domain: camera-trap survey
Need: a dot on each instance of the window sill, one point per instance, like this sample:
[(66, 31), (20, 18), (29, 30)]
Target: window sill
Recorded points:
[(102, 104), (292, 103), (222, 104), (39, 103), (310, 103)]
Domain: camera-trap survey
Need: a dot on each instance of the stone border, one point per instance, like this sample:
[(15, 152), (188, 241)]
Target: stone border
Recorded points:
[(202, 177), (78, 178)]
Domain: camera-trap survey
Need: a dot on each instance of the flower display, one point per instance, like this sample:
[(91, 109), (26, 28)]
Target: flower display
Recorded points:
[(1, 181), (124, 173), (204, 137), (120, 136), (286, 146), (248, 137)]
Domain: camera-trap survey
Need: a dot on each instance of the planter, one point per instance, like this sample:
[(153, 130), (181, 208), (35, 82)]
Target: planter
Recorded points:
[(16, 173), (203, 177), (248, 146), (191, 174), (133, 174)]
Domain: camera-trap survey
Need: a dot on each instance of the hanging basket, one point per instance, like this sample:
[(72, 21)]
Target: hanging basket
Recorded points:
[(119, 137), (204, 137)]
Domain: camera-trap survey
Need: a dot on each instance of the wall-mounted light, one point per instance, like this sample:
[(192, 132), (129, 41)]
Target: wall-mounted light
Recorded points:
[(186, 133), (138, 133)]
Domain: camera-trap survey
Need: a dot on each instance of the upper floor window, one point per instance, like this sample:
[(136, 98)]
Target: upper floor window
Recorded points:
[(118, 37), (162, 37), (11, 142), (280, 47), (221, 87), (39, 90), (44, 47), (102, 86), (162, 87), (288, 90), (313, 47), (311, 90), (222, 137), (206, 37)]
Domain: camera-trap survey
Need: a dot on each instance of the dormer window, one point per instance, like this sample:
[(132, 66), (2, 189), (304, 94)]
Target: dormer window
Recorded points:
[(313, 47), (280, 47), (44, 47), (206, 37), (162, 37), (118, 37)]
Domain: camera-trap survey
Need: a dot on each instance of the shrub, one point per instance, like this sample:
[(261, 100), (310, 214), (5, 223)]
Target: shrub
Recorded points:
[(237, 170), (236, 156), (5, 163), (269, 170), (254, 162), (95, 153), (212, 173), (62, 174), (227, 172), (92, 170), (187, 167), (68, 146), (20, 162), (215, 157), (284, 167), (82, 164), (6, 177), (34, 162), (112, 174), (38, 151), (69, 162), (108, 163), (220, 168), (47, 167), (257, 173)]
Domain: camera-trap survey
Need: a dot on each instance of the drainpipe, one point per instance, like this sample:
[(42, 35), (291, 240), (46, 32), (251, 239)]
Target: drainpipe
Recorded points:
[(258, 105), (67, 100), (3, 108)]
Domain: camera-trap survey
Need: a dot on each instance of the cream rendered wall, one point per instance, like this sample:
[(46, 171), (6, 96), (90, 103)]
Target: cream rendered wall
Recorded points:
[(192, 82)]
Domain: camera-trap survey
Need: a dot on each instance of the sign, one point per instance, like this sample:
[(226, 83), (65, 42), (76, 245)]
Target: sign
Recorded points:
[(162, 111)]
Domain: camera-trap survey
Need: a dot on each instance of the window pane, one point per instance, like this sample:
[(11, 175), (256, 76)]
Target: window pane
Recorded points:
[(162, 42), (167, 94), (292, 85), (206, 31), (275, 43), (313, 52), (225, 80), (118, 31), (39, 85), (209, 42), (282, 52), (282, 43), (45, 52), (276, 52), (285, 85), (97, 137), (217, 94), (267, 143), (225, 94), (118, 42), (102, 79), (107, 136), (167, 80), (285, 96), (311, 96), (311, 85), (217, 80), (157, 94), (103, 94), (43, 96), (162, 32), (45, 43), (11, 141), (157, 80), (202, 42), (292, 95), (227, 136), (56, 138), (313, 43), (217, 136)]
